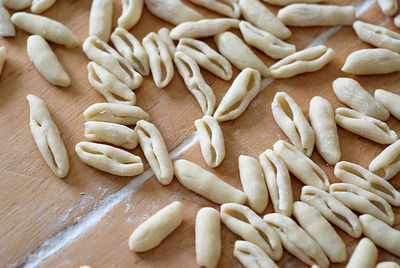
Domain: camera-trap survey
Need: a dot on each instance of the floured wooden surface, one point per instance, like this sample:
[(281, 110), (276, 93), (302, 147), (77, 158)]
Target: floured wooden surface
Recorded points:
[(94, 213)]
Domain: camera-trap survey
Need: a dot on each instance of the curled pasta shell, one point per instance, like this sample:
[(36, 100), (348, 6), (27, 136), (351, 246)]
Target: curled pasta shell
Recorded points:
[(365, 255), (3, 55), (155, 150), (100, 20), (228, 8), (131, 13), (308, 60), (388, 7), (6, 26), (115, 113), (251, 255), (387, 163), (16, 4), (163, 33), (39, 6), (243, 90), (389, 100)]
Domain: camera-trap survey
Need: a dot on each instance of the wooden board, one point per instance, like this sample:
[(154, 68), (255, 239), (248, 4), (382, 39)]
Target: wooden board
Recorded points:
[(35, 206)]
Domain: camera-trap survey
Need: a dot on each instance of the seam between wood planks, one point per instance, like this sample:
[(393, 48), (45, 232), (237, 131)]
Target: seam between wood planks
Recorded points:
[(102, 207)]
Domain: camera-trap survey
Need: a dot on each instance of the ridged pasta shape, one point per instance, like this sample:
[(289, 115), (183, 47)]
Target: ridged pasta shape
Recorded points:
[(163, 33), (243, 90), (16, 4), (115, 113), (6, 26), (244, 222), (365, 255), (252, 256), (156, 152), (131, 13), (47, 137), (100, 19), (388, 7), (365, 126), (211, 140), (206, 57), (290, 118), (387, 163), (228, 8), (288, 2), (194, 81), (304, 61), (389, 100), (39, 6), (3, 55)]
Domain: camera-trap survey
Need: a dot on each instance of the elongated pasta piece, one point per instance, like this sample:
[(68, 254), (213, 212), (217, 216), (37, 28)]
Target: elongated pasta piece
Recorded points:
[(156, 152), (155, 229), (116, 134), (3, 55), (131, 49), (244, 222), (296, 240), (163, 33), (6, 26), (115, 113), (160, 60), (387, 264), (397, 21), (387, 163), (288, 2), (206, 57), (290, 118), (16, 4), (266, 42), (131, 13), (47, 137), (253, 182), (208, 237), (194, 81), (104, 55), (365, 126), (206, 184), (49, 29), (365, 255), (252, 256), (351, 93), (203, 28), (243, 90), (388, 7), (362, 201), (228, 8), (304, 61), (357, 175), (172, 11), (389, 100), (372, 61), (211, 140), (258, 14), (46, 62), (332, 209), (39, 6), (278, 182), (100, 21), (317, 15)]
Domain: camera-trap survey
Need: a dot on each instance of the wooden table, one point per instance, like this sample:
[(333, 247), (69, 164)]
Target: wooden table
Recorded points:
[(88, 217)]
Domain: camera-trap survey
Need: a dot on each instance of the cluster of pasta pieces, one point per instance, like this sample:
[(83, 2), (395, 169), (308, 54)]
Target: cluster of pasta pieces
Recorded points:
[(116, 72)]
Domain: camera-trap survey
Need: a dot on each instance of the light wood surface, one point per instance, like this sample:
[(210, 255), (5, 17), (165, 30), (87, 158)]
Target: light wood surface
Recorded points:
[(35, 205)]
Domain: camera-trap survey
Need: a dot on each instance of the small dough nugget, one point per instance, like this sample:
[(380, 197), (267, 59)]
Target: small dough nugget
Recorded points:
[(131, 13), (228, 8), (388, 7), (100, 21), (387, 163), (252, 256), (365, 255), (6, 26), (16, 4), (389, 100), (115, 113), (39, 6)]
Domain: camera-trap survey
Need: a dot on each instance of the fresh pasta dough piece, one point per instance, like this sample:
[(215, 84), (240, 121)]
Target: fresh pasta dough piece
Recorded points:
[(252, 256), (6, 26), (389, 100), (258, 14), (131, 13), (131, 49), (206, 57), (266, 42), (156, 152), (208, 237), (211, 140), (381, 234), (206, 184), (322, 119), (104, 55), (203, 28), (301, 166), (357, 175), (362, 201), (115, 134), (160, 60), (16, 4), (296, 240), (304, 61), (387, 163), (365, 255), (388, 7), (100, 21), (278, 182), (243, 90), (397, 21), (109, 86), (194, 81), (49, 29), (47, 137), (244, 222), (163, 33), (172, 11), (387, 264), (39, 6), (311, 220), (365, 126), (115, 113), (155, 229), (3, 55), (332, 209), (46, 62), (317, 15), (288, 2), (290, 118), (228, 8), (372, 61), (253, 182), (351, 93)]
